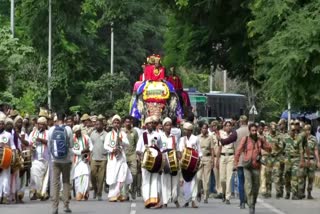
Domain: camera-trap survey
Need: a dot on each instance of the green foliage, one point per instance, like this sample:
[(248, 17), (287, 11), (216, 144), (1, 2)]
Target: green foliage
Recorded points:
[(13, 55), (121, 106), (98, 93), (287, 53), (81, 49), (192, 78), (209, 33)]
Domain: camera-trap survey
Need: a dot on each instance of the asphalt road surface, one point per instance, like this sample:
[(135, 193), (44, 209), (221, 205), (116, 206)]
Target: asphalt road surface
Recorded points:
[(264, 206)]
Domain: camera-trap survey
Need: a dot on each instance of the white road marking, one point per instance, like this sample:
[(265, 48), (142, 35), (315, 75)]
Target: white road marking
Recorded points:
[(132, 208), (270, 207)]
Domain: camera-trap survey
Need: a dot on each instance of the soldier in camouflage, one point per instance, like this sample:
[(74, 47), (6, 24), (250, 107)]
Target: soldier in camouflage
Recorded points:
[(273, 162), (294, 160), (302, 170), (312, 162), (282, 124)]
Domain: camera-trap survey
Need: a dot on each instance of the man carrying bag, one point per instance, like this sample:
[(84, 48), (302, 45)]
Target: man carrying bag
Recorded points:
[(251, 148)]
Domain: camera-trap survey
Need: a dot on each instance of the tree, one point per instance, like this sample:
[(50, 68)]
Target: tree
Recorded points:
[(209, 33), (287, 53), (81, 45)]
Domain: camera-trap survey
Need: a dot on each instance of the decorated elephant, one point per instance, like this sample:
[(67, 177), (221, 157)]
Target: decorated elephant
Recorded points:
[(155, 98)]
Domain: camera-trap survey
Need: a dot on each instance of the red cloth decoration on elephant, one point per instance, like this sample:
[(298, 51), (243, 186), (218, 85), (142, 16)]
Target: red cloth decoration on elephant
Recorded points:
[(176, 82), (151, 72)]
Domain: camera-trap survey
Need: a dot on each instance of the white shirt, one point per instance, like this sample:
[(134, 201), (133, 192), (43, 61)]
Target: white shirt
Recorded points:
[(139, 131), (192, 142), (79, 144), (153, 139), (6, 138), (41, 149), (176, 132), (19, 141), (168, 142), (111, 141)]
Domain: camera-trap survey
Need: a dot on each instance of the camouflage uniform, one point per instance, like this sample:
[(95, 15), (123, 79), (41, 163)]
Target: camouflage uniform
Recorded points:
[(282, 136), (302, 170), (293, 150), (309, 172), (265, 173), (273, 163)]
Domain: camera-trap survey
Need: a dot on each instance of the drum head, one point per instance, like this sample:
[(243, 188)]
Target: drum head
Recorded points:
[(154, 153)]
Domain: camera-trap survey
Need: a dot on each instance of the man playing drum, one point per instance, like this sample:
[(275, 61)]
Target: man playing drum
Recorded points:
[(170, 177), (150, 141), (190, 143), (6, 141)]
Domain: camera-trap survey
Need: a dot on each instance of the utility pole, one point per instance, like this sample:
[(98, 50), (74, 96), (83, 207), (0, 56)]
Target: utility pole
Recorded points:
[(49, 55), (111, 55), (12, 34), (12, 18), (224, 81), (211, 78), (111, 59)]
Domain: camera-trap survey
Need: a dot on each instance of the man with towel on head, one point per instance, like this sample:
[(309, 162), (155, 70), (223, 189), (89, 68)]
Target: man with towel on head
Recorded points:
[(6, 141), (190, 188), (38, 140), (169, 181), (81, 171), (150, 188), (115, 143)]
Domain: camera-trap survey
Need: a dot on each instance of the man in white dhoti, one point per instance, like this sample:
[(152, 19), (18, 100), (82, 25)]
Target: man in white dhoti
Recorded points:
[(169, 182), (150, 188), (6, 140), (119, 175), (190, 189), (82, 146), (15, 183), (39, 178)]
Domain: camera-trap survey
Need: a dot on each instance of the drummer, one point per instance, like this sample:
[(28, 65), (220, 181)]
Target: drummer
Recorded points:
[(6, 140), (150, 187), (190, 189), (169, 182)]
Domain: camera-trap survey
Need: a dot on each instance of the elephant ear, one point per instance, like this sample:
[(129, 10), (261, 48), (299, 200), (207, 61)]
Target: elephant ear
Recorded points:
[(172, 105), (140, 104)]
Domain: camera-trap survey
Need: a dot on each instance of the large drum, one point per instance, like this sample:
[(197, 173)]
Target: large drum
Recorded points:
[(26, 156), (16, 161), (171, 164), (152, 159), (5, 157), (189, 163)]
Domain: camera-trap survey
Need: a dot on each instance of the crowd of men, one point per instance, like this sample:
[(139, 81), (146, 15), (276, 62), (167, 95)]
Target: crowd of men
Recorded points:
[(110, 152)]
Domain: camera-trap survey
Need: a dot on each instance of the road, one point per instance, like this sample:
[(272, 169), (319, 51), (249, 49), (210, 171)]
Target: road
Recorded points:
[(264, 206)]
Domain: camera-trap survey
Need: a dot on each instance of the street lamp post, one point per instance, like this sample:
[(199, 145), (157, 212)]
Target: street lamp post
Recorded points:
[(12, 18), (111, 58), (49, 54), (111, 55)]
